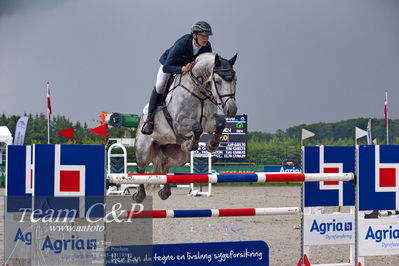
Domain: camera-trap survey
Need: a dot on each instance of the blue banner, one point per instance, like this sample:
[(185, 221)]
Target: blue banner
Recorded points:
[(241, 253)]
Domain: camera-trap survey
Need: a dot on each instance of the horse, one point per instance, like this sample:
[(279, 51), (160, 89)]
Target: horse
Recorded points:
[(190, 109)]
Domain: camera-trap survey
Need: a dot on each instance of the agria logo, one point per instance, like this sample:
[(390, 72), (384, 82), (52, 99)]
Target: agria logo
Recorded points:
[(59, 245), (333, 226), (382, 234)]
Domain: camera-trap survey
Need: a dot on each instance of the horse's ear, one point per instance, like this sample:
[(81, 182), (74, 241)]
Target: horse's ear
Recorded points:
[(217, 60), (233, 59)]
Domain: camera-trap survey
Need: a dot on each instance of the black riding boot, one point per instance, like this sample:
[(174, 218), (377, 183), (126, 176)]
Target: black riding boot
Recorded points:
[(155, 100)]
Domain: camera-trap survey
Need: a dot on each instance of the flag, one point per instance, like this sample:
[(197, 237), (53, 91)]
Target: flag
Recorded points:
[(306, 134), (386, 110), (68, 133), (49, 111), (360, 133), (20, 130), (369, 139), (100, 130)]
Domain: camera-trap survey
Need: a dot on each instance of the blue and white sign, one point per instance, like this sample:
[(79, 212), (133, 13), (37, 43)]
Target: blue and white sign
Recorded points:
[(243, 253), (327, 159), (328, 229), (49, 186), (378, 177), (378, 237), (378, 190), (64, 173)]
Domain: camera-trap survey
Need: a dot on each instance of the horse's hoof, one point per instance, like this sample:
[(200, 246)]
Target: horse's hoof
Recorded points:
[(164, 194), (212, 147), (138, 197), (194, 147)]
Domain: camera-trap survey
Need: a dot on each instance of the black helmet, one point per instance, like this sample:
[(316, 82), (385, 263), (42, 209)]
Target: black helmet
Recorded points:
[(202, 28)]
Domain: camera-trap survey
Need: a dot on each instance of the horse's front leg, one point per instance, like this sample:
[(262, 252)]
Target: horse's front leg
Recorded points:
[(186, 126), (213, 143)]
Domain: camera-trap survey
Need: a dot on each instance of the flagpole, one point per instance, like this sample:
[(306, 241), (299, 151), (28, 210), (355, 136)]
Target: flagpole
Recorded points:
[(48, 113), (48, 131), (387, 118)]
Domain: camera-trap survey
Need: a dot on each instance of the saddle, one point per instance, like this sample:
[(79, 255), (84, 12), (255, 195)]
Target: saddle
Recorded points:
[(163, 106)]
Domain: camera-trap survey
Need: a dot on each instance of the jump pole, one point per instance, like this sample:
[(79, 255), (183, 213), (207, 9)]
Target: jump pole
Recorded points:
[(260, 177), (208, 213)]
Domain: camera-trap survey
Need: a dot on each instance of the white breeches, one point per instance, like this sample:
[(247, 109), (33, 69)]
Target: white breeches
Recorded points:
[(162, 79)]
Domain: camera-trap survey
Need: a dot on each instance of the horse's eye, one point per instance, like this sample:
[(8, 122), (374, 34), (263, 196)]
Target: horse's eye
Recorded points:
[(218, 82)]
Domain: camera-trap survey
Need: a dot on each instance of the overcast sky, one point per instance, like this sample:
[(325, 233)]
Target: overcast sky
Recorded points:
[(298, 61)]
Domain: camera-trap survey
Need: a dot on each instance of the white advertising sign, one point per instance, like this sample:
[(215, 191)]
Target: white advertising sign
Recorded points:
[(378, 236), (329, 229)]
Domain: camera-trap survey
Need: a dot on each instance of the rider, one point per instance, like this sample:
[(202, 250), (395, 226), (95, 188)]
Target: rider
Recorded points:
[(176, 60)]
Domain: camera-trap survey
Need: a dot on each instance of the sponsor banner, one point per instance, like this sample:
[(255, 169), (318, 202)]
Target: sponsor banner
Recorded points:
[(282, 169), (329, 229), (48, 188), (325, 159), (215, 253), (20, 130), (378, 237), (52, 241)]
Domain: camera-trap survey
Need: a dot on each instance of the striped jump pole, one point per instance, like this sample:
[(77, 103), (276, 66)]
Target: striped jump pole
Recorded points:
[(260, 177), (208, 213)]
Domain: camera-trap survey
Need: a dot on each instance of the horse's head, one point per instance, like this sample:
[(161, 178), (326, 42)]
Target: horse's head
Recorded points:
[(223, 84), (216, 79)]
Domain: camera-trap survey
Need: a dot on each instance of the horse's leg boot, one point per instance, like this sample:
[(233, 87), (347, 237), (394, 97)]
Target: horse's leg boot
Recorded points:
[(154, 102)]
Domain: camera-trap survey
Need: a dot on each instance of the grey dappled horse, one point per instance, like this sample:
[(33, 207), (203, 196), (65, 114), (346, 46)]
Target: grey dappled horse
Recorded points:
[(190, 110)]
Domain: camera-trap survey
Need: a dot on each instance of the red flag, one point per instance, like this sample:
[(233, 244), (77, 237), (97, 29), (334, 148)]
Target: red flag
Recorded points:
[(49, 111), (386, 110), (68, 133), (100, 130)]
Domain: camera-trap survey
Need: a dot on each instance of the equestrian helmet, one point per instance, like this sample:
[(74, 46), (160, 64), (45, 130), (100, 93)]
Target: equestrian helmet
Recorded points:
[(202, 28)]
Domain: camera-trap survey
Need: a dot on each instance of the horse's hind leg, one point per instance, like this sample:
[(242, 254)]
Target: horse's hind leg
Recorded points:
[(173, 157), (159, 167), (213, 144), (140, 195)]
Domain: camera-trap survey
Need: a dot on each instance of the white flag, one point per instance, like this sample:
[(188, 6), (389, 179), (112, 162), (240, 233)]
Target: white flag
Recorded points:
[(306, 134), (360, 133)]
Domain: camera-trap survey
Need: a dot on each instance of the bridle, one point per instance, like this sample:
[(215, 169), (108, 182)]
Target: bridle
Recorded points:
[(226, 74)]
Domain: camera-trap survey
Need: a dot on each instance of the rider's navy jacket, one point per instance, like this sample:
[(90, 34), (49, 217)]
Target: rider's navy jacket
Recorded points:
[(180, 54)]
